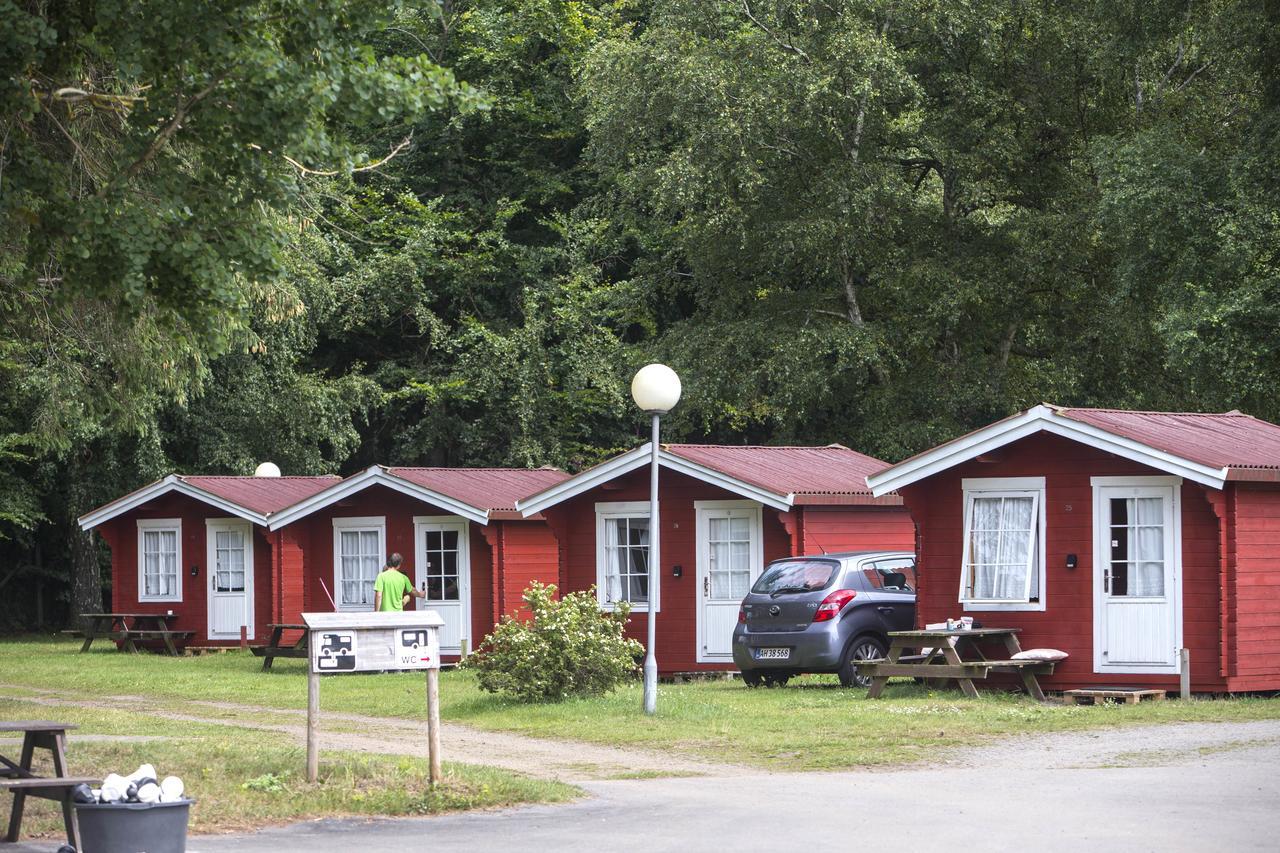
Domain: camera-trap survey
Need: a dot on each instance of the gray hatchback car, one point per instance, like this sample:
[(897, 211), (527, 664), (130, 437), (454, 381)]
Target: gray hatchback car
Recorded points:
[(823, 614)]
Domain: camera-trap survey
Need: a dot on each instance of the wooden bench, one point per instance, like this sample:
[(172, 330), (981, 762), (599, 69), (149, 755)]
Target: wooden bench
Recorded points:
[(128, 628), (944, 658), (275, 649), (980, 669), (16, 776)]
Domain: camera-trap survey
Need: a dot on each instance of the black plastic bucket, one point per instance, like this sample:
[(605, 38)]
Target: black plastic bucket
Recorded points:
[(133, 827)]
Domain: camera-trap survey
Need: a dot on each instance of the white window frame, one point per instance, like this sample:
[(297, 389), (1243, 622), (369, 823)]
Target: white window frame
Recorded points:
[(605, 512), (159, 524), (992, 487), (353, 524)]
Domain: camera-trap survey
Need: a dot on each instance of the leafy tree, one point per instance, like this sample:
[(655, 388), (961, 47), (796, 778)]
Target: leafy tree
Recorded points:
[(151, 158)]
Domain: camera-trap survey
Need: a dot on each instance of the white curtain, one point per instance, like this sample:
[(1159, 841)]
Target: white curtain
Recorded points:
[(361, 559), (160, 562), (626, 555), (1146, 543), (1002, 535)]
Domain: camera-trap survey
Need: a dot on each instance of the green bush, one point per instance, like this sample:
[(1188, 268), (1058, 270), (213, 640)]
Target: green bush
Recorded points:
[(567, 647)]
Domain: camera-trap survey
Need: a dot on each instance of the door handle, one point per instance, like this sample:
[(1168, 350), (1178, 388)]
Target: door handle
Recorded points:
[(885, 609)]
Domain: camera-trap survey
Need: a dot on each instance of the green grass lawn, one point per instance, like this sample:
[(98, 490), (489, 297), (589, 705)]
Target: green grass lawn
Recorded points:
[(241, 779), (812, 724)]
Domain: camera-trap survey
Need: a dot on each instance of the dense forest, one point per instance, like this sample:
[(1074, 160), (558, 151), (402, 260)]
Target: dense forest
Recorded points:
[(329, 233)]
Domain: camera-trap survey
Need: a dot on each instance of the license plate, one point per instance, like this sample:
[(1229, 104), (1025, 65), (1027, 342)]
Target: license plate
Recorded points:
[(773, 654)]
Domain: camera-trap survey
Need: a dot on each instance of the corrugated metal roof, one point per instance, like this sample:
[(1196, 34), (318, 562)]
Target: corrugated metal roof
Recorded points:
[(1229, 440), (263, 495), (811, 472), (493, 489)]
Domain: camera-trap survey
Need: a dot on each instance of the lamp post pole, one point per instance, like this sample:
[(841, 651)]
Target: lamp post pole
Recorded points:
[(656, 389), (650, 658)]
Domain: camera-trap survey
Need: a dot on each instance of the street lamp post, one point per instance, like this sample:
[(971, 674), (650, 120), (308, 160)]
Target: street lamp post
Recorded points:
[(656, 390)]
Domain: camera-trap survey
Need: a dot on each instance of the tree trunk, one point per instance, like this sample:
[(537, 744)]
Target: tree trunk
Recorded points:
[(86, 576)]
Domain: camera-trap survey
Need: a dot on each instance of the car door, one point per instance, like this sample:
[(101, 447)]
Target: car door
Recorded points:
[(896, 602)]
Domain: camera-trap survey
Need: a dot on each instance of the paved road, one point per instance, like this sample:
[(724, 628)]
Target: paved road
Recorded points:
[(1168, 788)]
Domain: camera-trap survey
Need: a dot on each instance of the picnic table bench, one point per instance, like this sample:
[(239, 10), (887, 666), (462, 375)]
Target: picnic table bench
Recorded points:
[(276, 649), (130, 628), (945, 658), (16, 776)]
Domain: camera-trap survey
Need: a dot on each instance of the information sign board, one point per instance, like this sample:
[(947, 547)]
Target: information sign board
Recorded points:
[(373, 642)]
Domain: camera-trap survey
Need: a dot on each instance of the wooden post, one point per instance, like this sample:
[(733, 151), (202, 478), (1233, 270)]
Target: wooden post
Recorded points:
[(1184, 658), (244, 636), (433, 723), (313, 722), (463, 648)]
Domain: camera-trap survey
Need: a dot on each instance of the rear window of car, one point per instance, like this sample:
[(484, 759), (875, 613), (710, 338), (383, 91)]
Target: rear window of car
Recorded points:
[(796, 576)]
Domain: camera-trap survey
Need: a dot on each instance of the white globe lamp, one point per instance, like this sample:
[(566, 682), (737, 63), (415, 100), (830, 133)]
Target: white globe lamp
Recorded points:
[(656, 389), (267, 469)]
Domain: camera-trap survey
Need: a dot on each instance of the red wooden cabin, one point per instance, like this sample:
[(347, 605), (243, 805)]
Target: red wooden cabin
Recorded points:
[(1118, 537), (185, 544), (725, 512)]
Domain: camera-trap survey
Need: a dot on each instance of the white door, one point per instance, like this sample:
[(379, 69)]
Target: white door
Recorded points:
[(443, 561), (229, 563), (730, 558), (1137, 575)]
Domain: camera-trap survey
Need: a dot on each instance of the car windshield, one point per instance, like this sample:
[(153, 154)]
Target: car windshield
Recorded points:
[(796, 576)]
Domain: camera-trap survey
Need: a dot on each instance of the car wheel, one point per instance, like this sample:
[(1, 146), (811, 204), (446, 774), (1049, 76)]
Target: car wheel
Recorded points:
[(862, 648), (752, 678)]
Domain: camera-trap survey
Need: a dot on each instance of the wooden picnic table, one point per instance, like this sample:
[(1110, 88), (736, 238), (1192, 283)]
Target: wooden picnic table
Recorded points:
[(16, 776), (953, 654), (276, 649), (129, 628)]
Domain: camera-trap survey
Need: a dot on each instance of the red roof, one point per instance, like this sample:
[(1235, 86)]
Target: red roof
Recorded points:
[(812, 474), (263, 495), (1230, 440), (494, 489)]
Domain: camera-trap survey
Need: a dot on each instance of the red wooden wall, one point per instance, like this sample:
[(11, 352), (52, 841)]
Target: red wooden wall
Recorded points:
[(827, 530), (190, 614), (1255, 592), (574, 522), (529, 552), (1067, 623)]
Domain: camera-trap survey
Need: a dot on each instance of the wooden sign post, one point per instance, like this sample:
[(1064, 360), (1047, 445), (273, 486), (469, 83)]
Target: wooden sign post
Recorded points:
[(345, 643)]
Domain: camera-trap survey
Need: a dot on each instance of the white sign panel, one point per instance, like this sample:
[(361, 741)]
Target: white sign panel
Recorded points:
[(373, 642)]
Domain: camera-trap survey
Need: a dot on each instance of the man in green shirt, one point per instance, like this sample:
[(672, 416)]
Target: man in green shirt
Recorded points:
[(392, 589)]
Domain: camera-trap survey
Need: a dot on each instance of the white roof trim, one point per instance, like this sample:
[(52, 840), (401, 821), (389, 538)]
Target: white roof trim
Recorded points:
[(171, 483), (1038, 419), (639, 458), (376, 475)]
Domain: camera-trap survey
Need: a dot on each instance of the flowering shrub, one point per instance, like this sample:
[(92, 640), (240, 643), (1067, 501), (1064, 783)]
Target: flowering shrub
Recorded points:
[(568, 647)]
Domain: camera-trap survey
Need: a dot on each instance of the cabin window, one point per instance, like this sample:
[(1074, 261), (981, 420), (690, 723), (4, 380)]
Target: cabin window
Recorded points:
[(1003, 562), (622, 554), (159, 556), (357, 558)]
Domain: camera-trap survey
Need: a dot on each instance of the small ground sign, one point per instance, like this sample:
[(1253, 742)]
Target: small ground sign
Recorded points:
[(345, 643)]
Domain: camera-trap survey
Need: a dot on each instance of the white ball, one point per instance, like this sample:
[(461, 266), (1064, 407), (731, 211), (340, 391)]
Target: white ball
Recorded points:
[(171, 789), (267, 469)]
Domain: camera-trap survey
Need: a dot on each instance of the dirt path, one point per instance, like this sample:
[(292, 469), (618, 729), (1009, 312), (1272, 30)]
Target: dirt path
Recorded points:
[(563, 760)]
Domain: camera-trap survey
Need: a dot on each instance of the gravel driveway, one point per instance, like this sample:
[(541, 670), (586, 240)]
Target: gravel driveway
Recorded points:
[(1196, 786)]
